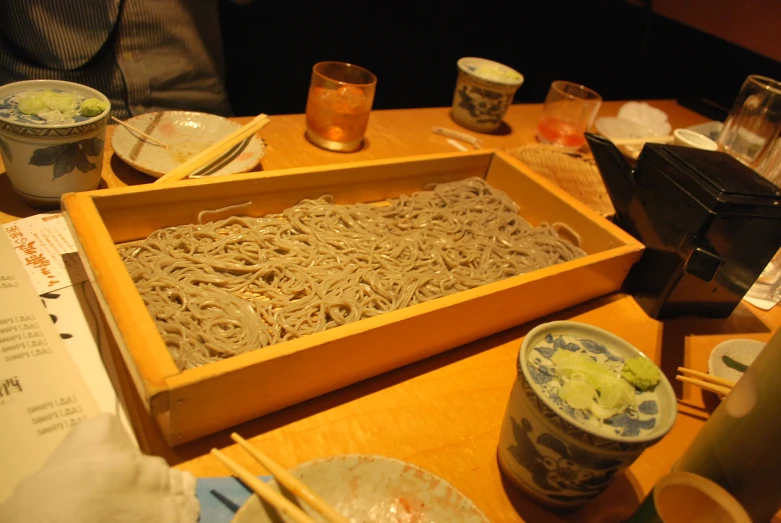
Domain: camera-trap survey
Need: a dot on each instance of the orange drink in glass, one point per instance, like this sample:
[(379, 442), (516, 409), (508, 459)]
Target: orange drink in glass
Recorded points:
[(338, 107), (569, 112)]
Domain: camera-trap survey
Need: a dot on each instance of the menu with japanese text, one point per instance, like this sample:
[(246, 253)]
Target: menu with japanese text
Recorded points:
[(42, 393)]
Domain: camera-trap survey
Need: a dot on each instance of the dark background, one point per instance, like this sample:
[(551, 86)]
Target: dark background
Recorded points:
[(621, 50)]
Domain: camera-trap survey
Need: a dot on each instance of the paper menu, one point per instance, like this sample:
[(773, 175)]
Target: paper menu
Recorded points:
[(46, 249), (42, 394)]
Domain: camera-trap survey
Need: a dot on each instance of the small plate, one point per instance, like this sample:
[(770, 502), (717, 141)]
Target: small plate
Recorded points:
[(372, 489), (187, 133), (710, 129), (742, 350), (613, 128)]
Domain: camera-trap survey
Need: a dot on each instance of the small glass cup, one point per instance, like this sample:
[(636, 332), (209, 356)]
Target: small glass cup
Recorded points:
[(754, 121), (569, 111), (338, 107)]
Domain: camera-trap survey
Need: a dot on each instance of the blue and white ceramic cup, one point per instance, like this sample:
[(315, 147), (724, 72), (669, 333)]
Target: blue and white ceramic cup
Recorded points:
[(484, 91), (563, 457), (45, 160)]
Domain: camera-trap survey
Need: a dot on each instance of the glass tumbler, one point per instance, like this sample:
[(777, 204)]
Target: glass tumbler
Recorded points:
[(338, 107), (754, 121), (569, 111)]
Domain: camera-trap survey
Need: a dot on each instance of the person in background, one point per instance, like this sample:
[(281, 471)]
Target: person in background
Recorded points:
[(144, 55)]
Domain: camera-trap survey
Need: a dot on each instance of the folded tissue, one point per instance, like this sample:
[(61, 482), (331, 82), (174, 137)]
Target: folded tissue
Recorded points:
[(97, 474), (651, 117)]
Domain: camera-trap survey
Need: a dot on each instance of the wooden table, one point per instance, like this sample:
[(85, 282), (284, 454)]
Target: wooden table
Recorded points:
[(444, 413)]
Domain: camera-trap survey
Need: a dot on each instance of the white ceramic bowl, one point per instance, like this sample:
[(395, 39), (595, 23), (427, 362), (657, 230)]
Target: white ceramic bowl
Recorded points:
[(744, 351), (484, 91), (45, 161), (689, 138), (564, 457)]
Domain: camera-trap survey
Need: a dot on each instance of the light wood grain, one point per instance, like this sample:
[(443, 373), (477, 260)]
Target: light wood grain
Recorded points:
[(393, 133), (313, 365), (444, 413)]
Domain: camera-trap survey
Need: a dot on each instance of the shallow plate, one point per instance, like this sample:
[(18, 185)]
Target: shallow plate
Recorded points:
[(187, 133), (615, 128), (741, 350), (710, 129), (372, 489)]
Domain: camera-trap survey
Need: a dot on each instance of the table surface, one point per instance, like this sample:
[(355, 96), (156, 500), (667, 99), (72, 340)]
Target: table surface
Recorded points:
[(444, 413)]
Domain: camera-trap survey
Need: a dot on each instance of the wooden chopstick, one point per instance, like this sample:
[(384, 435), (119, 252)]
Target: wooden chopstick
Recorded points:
[(642, 140), (215, 150), (292, 483), (137, 131), (259, 487), (718, 389), (706, 381), (707, 377)]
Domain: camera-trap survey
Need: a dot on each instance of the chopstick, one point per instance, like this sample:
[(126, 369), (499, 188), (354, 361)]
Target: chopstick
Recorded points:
[(706, 381), (137, 131), (458, 135), (642, 140), (292, 483), (214, 151), (259, 487)]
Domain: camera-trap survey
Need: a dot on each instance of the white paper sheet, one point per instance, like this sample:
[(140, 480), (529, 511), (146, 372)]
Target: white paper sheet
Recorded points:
[(42, 393)]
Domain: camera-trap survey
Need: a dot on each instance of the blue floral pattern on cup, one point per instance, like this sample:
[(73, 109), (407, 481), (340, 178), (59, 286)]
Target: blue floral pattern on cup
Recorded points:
[(632, 422), (482, 104), (66, 157), (557, 467)]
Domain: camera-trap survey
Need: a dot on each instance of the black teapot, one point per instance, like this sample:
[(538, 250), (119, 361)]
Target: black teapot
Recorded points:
[(710, 225)]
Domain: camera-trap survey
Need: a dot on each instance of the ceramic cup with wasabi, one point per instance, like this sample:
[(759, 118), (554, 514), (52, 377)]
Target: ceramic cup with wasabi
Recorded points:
[(51, 138), (484, 91), (562, 445)]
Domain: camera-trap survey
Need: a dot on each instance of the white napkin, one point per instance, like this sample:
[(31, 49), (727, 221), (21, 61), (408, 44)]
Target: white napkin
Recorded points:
[(97, 474), (642, 113)]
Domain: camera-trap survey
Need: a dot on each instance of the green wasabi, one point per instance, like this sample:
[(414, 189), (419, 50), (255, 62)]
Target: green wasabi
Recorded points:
[(641, 372), (92, 107)]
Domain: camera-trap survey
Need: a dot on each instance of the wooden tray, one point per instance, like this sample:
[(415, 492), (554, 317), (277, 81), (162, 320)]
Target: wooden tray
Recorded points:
[(193, 403)]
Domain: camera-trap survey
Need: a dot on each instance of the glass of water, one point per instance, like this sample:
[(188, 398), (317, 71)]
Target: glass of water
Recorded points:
[(754, 121)]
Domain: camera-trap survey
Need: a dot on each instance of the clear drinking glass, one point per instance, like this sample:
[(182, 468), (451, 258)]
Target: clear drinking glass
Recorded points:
[(338, 107), (569, 111), (754, 121), (770, 165)]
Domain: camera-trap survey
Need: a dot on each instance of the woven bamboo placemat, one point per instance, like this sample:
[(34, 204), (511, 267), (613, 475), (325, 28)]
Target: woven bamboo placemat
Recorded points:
[(574, 172)]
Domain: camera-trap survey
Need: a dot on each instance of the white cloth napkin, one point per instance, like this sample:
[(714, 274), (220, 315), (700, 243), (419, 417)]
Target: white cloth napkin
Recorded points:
[(642, 113), (97, 474)]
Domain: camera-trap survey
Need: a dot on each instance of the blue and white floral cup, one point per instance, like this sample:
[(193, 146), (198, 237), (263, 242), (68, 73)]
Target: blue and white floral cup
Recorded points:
[(45, 160), (563, 457), (484, 91)]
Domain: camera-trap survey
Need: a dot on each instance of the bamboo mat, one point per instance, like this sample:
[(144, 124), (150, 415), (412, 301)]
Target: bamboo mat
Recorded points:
[(574, 172)]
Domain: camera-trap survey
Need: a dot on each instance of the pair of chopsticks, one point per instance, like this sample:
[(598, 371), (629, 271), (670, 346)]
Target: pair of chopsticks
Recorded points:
[(705, 381), (215, 151), (458, 135), (284, 478)]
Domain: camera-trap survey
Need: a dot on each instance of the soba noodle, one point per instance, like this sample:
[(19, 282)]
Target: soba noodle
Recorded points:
[(233, 285)]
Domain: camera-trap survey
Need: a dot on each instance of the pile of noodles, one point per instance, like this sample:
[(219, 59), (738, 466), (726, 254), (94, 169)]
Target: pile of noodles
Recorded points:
[(230, 286)]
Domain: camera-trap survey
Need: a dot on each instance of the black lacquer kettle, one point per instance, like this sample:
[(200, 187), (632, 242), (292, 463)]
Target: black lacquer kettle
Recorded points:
[(709, 223)]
